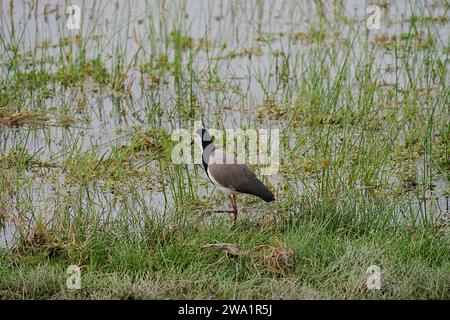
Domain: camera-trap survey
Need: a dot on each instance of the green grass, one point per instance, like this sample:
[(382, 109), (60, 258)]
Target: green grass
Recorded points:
[(331, 250), (86, 175)]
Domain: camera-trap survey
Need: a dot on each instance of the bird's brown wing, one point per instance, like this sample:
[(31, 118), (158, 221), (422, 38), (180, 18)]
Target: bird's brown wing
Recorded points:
[(239, 177)]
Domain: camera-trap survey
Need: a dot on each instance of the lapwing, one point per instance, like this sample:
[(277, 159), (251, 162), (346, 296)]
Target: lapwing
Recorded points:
[(228, 173)]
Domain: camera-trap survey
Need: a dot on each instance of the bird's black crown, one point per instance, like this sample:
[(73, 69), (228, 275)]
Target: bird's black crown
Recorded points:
[(206, 138)]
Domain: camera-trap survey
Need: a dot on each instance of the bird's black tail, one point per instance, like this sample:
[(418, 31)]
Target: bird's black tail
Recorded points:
[(257, 188)]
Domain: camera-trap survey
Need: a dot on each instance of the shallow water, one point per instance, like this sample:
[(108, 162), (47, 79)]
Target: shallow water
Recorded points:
[(244, 44)]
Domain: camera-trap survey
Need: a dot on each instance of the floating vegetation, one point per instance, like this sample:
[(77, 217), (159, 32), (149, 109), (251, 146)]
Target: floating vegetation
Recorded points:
[(19, 119)]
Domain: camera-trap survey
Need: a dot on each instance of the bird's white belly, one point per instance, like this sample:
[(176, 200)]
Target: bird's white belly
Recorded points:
[(225, 190)]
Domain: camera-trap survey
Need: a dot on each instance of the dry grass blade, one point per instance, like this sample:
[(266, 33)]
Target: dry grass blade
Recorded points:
[(281, 257), (275, 259), (229, 248)]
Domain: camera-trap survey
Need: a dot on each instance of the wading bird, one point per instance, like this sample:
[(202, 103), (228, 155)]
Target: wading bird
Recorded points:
[(228, 173)]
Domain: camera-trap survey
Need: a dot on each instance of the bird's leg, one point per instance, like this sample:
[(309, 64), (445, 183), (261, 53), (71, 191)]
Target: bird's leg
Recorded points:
[(233, 202), (227, 211), (234, 211)]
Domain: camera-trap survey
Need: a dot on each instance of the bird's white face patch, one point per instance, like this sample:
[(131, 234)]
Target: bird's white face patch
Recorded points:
[(198, 140)]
